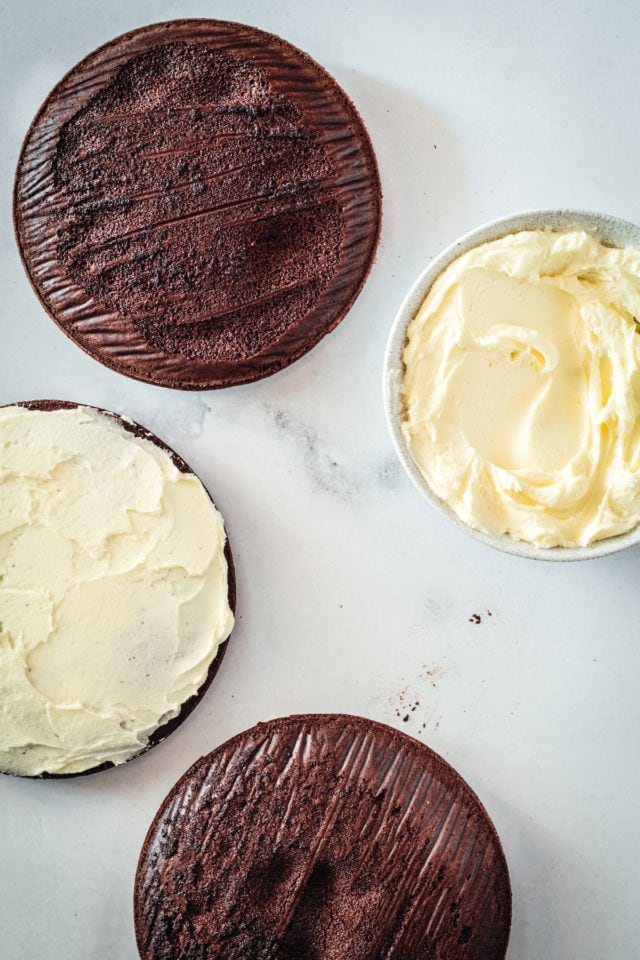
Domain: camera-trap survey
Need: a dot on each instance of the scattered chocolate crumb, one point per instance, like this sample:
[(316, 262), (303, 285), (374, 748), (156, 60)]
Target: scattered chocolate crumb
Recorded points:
[(409, 704), (475, 618)]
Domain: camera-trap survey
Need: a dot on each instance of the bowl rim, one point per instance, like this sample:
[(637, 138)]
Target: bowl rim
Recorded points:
[(610, 230)]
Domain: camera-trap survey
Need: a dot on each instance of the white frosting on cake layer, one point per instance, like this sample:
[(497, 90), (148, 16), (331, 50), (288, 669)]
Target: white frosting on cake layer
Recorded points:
[(113, 590)]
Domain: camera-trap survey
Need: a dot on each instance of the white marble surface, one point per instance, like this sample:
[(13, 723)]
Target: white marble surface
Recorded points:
[(354, 594)]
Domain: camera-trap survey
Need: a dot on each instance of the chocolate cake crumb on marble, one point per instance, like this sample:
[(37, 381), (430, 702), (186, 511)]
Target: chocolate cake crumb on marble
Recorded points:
[(322, 837), (197, 203)]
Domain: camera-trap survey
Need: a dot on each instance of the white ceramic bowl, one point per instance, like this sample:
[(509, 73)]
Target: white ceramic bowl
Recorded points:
[(609, 230)]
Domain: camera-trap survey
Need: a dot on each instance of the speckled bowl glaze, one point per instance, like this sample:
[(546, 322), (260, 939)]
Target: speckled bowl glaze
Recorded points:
[(609, 230)]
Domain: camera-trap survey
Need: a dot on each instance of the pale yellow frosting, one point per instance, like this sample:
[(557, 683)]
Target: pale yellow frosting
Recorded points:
[(113, 590), (521, 388)]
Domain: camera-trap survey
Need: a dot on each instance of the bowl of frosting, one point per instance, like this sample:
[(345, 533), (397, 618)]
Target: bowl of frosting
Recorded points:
[(512, 384)]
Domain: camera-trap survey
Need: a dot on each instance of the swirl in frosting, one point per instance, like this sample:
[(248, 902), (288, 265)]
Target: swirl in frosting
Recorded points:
[(521, 388)]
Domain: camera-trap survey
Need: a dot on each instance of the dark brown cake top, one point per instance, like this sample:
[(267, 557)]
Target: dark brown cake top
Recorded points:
[(197, 204), (322, 838)]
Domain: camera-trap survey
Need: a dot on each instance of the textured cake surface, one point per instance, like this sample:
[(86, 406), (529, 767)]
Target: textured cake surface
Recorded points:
[(197, 203), (324, 838)]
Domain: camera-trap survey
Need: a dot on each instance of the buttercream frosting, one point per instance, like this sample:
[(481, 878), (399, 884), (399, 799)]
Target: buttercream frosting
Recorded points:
[(113, 589), (521, 388)]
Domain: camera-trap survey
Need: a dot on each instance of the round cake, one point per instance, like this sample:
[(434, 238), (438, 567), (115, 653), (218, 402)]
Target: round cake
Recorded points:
[(197, 203), (322, 837), (117, 589)]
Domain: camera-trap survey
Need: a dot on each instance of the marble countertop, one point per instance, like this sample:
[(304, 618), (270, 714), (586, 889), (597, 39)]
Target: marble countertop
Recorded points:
[(354, 595)]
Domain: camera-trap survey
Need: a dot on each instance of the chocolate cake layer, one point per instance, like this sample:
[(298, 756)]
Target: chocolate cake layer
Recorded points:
[(162, 732), (197, 203), (322, 837)]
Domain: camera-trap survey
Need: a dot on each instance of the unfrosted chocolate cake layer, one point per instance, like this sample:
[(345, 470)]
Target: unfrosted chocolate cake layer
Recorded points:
[(325, 838), (197, 204)]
